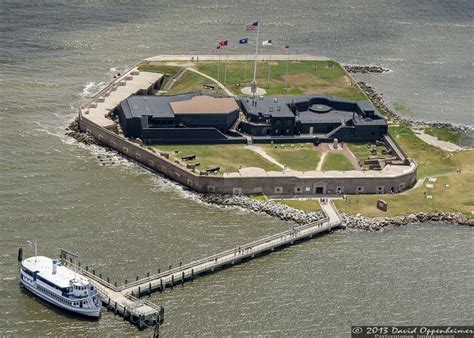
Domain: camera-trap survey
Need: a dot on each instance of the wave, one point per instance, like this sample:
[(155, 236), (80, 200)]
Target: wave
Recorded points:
[(91, 88)]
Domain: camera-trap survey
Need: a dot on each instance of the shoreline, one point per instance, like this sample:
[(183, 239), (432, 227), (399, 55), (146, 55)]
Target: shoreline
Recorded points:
[(289, 214), (395, 118), (354, 222)]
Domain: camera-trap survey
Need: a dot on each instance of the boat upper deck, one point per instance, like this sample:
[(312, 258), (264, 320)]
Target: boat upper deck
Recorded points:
[(62, 277)]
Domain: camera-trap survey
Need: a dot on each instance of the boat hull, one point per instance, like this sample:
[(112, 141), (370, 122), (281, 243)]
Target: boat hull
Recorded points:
[(91, 313)]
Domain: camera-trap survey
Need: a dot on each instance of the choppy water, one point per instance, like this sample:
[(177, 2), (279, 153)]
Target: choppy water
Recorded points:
[(125, 221)]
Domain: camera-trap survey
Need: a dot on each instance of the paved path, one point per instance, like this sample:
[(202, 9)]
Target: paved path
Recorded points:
[(239, 57), (330, 210), (321, 161), (227, 91), (432, 140), (264, 154)]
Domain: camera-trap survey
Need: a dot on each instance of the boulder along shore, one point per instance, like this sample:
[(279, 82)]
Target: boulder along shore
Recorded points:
[(364, 69), (379, 102), (287, 213), (277, 210)]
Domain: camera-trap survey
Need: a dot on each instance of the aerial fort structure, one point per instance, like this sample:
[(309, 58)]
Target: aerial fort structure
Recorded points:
[(129, 117), (204, 119)]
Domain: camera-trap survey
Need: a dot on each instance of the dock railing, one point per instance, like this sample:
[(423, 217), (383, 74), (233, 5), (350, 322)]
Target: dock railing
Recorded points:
[(226, 253)]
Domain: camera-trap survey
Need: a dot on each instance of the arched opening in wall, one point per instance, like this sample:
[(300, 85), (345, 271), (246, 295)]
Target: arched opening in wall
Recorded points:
[(339, 190), (319, 190)]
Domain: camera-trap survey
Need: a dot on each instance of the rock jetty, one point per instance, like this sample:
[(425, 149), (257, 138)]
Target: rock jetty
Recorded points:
[(379, 223), (379, 102), (73, 131), (360, 69), (274, 209)]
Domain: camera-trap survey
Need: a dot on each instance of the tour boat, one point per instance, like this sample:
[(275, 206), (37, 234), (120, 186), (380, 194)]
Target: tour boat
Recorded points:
[(51, 280)]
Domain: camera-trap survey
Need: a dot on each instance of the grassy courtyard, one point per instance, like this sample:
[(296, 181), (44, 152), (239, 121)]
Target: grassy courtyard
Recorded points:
[(362, 151), (191, 82), (304, 77), (301, 157), (335, 161), (229, 157)]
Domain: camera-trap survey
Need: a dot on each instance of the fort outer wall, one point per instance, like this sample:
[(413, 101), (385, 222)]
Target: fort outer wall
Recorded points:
[(273, 184), (283, 185)]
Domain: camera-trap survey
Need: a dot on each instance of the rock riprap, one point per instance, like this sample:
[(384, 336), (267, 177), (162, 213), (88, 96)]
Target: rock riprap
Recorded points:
[(274, 209)]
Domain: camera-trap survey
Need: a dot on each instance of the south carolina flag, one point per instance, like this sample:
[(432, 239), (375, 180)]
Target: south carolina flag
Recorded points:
[(244, 41), (267, 43)]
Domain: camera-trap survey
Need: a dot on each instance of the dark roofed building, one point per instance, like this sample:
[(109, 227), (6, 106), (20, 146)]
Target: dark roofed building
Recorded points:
[(182, 118), (322, 116), (195, 118)]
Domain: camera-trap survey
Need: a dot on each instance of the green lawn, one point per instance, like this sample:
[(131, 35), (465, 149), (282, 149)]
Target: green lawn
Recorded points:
[(230, 158), (190, 82), (334, 161), (162, 68), (430, 160), (305, 205), (301, 157), (304, 77), (457, 196), (444, 134)]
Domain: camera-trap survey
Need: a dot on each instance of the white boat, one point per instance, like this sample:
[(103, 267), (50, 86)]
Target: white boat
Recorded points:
[(51, 280)]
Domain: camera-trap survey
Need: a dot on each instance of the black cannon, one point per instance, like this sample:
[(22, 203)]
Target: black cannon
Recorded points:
[(188, 157), (213, 169)]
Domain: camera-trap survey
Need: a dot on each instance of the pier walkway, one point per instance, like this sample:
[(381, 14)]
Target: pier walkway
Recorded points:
[(125, 300)]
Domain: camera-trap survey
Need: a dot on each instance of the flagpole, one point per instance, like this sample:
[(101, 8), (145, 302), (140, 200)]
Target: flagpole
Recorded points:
[(36, 250), (286, 77), (254, 82), (225, 70), (218, 67), (245, 68), (269, 61)]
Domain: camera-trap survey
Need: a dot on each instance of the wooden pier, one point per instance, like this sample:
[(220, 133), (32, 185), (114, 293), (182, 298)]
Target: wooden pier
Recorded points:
[(125, 300)]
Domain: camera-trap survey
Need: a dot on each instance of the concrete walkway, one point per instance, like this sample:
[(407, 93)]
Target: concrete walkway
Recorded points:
[(264, 154), (431, 140), (240, 57), (330, 211), (227, 91), (321, 161)]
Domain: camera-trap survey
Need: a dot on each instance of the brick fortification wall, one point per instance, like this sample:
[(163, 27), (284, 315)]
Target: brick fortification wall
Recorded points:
[(274, 185)]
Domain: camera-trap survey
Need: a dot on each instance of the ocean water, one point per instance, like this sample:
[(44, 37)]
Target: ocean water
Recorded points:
[(126, 221)]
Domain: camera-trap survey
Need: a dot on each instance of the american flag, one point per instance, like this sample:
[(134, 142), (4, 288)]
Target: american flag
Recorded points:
[(224, 43), (252, 26), (284, 48)]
